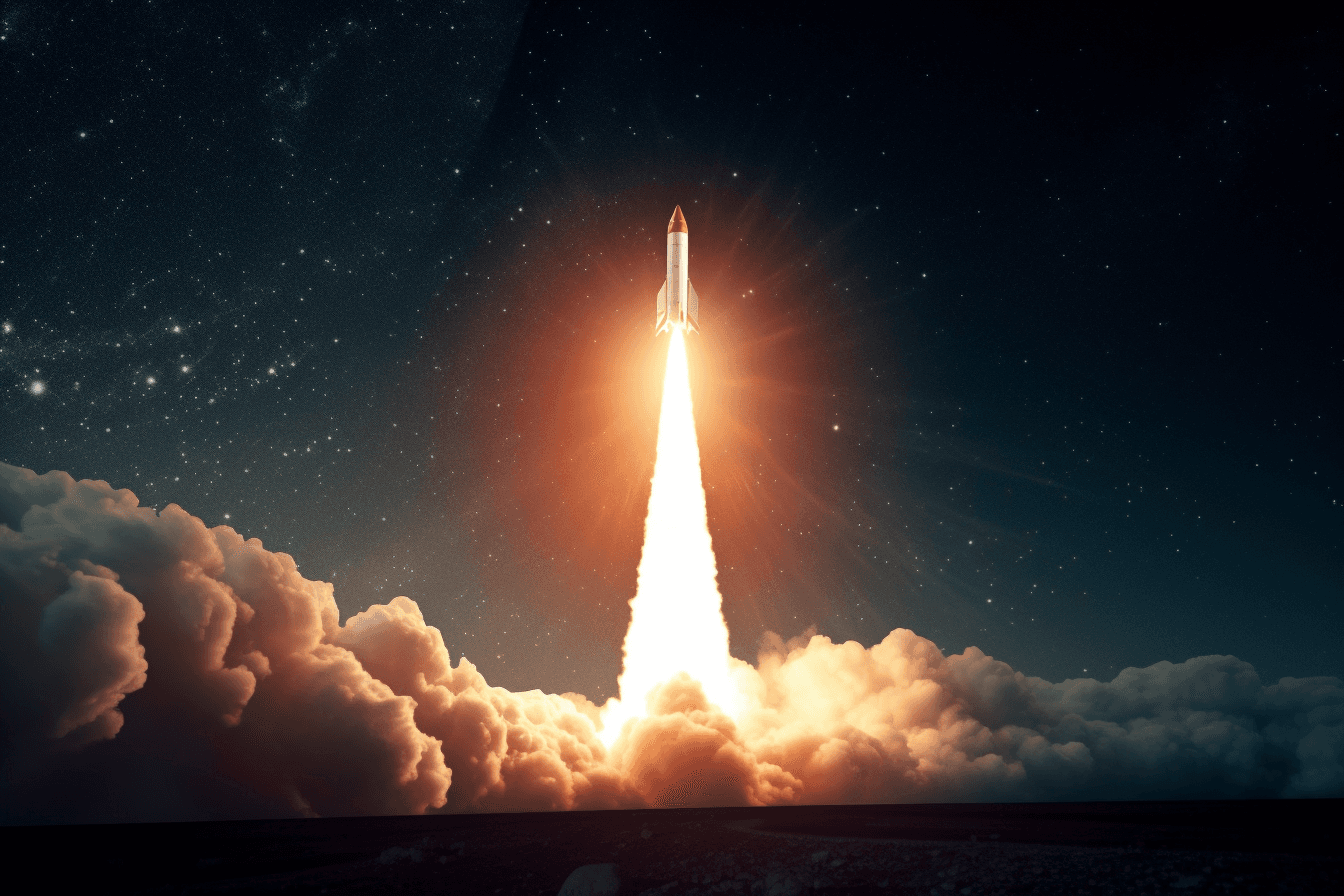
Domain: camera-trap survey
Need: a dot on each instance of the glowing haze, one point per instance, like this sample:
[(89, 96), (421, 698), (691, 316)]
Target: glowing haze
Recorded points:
[(676, 616)]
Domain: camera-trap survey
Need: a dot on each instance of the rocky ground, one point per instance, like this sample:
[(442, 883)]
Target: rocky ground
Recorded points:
[(1182, 848)]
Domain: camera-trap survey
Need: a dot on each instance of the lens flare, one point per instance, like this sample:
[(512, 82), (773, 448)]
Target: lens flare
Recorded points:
[(676, 616)]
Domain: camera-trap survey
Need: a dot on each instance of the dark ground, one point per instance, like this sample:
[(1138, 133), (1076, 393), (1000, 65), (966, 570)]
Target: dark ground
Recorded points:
[(1186, 847)]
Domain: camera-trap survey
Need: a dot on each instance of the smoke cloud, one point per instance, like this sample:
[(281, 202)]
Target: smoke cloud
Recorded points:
[(152, 668)]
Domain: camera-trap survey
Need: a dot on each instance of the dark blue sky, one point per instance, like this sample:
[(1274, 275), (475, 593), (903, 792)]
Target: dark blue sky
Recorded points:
[(1058, 376)]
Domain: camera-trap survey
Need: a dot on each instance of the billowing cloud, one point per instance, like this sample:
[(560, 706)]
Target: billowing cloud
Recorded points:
[(144, 654), (207, 640)]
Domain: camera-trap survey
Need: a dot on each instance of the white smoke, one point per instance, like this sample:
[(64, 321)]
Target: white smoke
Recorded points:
[(152, 668)]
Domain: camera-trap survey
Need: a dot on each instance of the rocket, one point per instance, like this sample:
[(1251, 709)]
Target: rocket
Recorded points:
[(678, 305)]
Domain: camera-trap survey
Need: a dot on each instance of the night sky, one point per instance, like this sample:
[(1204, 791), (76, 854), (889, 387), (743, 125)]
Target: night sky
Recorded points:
[(1020, 329)]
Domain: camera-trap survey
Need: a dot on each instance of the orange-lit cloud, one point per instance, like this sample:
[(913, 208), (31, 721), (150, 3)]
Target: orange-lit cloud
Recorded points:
[(201, 676)]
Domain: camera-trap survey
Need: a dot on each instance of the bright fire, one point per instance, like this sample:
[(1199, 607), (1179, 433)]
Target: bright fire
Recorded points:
[(676, 620)]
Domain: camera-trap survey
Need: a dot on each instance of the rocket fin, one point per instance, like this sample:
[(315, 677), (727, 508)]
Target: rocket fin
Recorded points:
[(693, 307), (662, 306)]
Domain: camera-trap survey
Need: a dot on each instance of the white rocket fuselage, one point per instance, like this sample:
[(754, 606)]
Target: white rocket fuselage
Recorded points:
[(678, 305), (677, 252)]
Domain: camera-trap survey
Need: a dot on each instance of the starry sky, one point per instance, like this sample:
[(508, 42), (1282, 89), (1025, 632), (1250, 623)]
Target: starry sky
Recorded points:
[(1020, 330)]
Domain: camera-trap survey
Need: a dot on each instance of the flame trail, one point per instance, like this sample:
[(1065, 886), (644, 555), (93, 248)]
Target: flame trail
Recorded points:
[(676, 620)]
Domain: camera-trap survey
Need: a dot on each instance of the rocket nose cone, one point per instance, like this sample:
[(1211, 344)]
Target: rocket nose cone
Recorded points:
[(678, 222)]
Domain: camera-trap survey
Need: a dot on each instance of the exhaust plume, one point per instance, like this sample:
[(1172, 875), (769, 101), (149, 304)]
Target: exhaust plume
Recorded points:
[(676, 616)]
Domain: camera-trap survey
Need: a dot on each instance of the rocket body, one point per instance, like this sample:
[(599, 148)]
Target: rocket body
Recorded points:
[(678, 305)]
